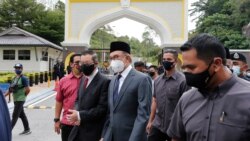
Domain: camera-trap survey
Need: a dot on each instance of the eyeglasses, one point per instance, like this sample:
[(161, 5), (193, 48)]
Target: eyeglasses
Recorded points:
[(77, 63)]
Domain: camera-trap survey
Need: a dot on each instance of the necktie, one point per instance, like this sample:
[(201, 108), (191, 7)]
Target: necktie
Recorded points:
[(85, 83), (116, 88)]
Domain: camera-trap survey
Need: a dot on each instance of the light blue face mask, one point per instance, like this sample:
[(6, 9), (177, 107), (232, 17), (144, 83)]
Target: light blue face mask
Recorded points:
[(236, 70), (248, 74)]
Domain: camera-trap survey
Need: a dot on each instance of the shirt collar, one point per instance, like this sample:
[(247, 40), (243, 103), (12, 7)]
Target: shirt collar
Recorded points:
[(224, 86), (124, 74), (72, 76), (174, 75), (221, 89), (91, 77), (244, 77)]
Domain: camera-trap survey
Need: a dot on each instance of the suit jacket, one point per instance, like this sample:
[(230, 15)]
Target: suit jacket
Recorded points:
[(129, 115), (5, 123), (92, 106)]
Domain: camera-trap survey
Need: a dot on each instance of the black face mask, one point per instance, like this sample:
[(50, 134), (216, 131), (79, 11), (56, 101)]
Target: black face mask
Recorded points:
[(151, 73), (87, 69), (168, 65), (199, 80)]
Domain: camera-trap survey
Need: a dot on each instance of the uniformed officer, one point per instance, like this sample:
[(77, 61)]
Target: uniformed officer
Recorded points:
[(217, 107), (239, 65)]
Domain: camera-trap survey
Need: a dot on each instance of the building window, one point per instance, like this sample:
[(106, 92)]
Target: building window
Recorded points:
[(9, 54), (44, 55), (24, 54)]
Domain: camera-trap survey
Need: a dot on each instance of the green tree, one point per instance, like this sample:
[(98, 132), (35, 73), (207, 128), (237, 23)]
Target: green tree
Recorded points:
[(150, 49), (50, 26), (224, 19), (136, 47), (32, 16), (103, 36), (20, 13), (60, 6)]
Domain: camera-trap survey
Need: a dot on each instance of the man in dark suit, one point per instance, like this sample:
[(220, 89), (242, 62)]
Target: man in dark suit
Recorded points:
[(130, 94), (91, 104)]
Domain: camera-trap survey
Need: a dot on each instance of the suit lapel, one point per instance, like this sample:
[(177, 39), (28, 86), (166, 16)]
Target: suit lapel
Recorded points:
[(125, 85), (81, 91), (92, 84), (111, 90)]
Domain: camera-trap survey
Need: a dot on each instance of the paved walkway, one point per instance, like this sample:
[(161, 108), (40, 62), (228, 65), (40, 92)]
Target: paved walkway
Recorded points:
[(37, 92)]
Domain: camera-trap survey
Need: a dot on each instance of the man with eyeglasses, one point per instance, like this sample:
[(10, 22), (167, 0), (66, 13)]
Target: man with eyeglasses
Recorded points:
[(91, 104), (66, 96)]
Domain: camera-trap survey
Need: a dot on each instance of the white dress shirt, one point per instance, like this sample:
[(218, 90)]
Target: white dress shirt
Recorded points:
[(124, 74), (90, 78)]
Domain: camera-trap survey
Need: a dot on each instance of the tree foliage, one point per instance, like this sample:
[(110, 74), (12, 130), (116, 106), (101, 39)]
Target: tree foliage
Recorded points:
[(34, 17), (145, 49), (224, 19), (19, 13), (50, 27)]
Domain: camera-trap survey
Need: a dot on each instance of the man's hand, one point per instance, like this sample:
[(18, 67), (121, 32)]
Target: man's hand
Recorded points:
[(57, 127), (72, 116), (7, 93), (149, 127), (101, 139), (27, 91), (77, 123)]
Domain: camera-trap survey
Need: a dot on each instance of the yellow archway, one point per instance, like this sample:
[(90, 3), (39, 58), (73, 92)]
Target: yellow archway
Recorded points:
[(67, 59), (180, 58), (167, 17)]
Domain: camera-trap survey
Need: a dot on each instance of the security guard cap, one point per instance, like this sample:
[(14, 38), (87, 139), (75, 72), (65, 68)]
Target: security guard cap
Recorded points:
[(238, 56), (18, 65)]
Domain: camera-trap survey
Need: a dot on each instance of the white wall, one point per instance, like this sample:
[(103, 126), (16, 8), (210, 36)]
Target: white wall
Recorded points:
[(44, 66), (33, 65)]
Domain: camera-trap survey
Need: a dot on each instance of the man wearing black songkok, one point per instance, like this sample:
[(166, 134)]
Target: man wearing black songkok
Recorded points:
[(130, 94)]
